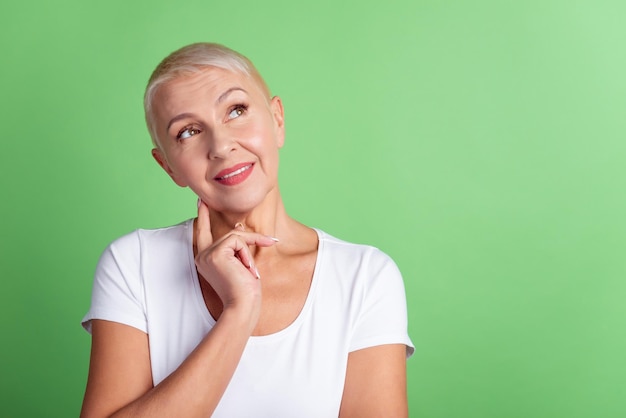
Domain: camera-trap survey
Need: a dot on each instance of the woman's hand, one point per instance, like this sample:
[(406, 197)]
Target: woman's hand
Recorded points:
[(228, 265)]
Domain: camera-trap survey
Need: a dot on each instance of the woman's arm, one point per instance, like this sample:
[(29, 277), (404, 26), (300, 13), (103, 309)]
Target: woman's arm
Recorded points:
[(120, 378), (119, 353), (376, 383)]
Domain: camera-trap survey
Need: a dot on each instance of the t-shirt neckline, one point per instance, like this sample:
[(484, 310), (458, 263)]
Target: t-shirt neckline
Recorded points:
[(292, 327)]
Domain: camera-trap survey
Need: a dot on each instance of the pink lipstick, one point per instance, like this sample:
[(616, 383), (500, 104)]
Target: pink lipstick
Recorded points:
[(235, 174)]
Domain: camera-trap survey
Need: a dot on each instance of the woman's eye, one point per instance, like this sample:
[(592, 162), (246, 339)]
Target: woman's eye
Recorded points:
[(237, 111), (187, 133)]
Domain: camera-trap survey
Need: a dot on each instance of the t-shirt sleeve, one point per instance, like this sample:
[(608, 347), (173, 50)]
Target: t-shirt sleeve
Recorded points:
[(383, 314), (117, 293)]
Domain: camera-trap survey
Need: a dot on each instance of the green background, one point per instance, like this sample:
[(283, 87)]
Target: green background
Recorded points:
[(480, 143)]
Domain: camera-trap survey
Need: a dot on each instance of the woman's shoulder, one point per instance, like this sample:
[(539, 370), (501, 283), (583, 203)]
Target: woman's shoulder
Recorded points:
[(334, 247), (149, 244), (160, 235)]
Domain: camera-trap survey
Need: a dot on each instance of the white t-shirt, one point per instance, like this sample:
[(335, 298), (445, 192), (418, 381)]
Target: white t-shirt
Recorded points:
[(148, 280)]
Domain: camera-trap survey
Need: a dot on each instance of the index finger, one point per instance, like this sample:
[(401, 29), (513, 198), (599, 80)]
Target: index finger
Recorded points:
[(204, 238)]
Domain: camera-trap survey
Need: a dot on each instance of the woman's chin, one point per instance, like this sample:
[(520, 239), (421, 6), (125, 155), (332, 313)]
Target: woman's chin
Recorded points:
[(243, 202), (239, 206)]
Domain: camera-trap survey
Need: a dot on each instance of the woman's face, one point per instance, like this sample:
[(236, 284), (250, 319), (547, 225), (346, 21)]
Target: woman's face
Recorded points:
[(219, 134)]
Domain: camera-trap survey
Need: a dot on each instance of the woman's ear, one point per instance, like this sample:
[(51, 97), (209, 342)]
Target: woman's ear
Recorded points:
[(278, 113), (159, 157)]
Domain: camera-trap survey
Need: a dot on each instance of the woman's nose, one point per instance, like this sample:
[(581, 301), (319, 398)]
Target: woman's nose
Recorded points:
[(221, 144)]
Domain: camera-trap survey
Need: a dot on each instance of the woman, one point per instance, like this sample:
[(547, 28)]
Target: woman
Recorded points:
[(242, 311)]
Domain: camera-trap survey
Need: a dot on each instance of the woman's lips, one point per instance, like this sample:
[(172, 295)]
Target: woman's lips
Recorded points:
[(234, 175)]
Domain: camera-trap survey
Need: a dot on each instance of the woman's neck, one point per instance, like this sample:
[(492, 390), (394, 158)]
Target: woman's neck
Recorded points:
[(268, 218)]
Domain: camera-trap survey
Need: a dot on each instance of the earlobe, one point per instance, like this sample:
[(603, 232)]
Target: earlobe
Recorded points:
[(279, 119), (158, 156)]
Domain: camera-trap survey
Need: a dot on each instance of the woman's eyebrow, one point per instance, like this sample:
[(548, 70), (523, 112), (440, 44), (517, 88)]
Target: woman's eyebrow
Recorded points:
[(224, 95), (179, 117)]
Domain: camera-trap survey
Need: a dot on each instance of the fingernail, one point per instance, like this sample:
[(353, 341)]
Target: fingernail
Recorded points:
[(274, 239), (240, 226), (256, 271), (199, 202)]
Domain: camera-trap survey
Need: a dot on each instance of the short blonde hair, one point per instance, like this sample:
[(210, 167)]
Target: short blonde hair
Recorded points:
[(192, 59)]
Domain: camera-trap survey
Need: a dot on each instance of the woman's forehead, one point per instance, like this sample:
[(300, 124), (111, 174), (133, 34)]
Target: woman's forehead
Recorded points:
[(209, 80)]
